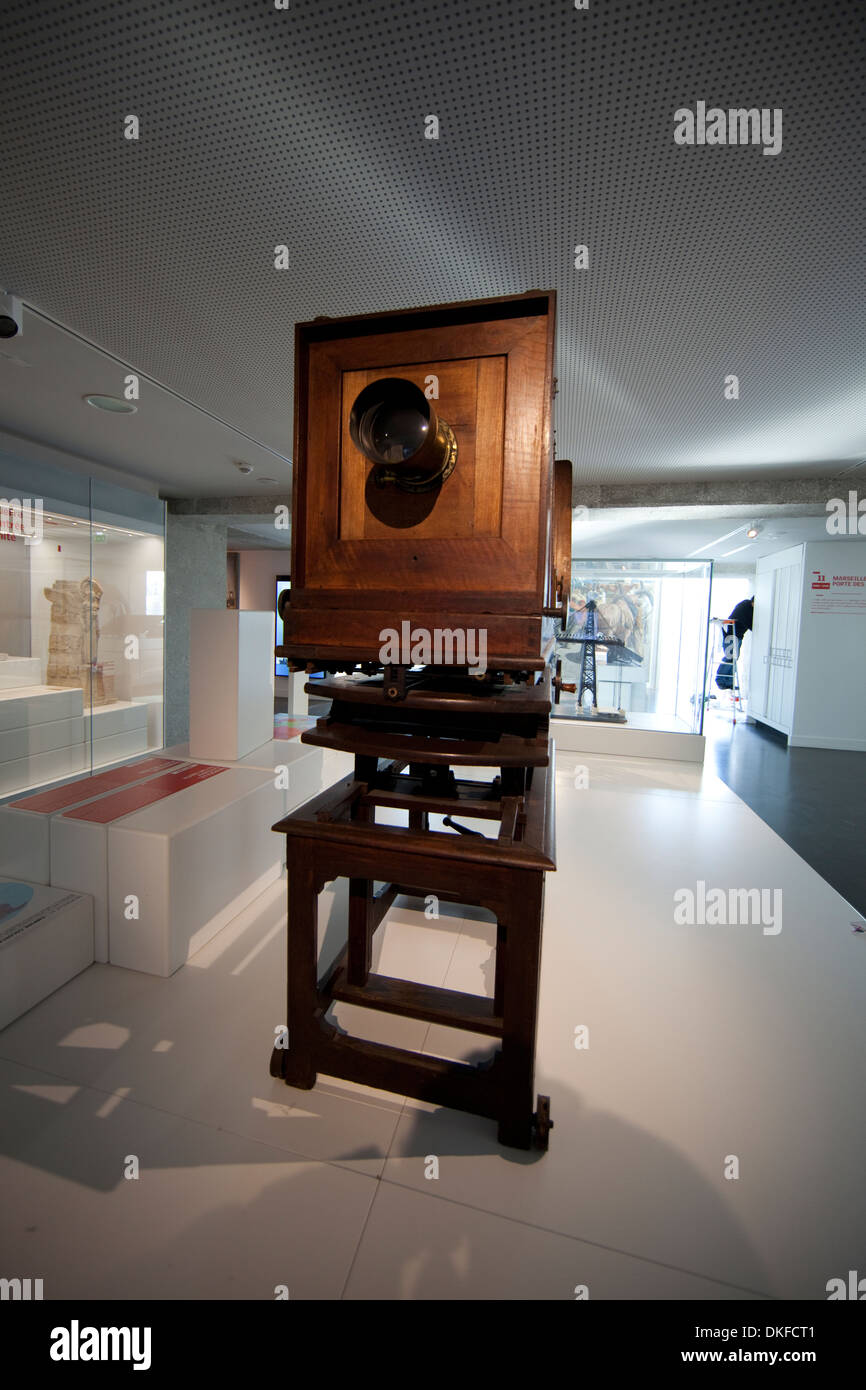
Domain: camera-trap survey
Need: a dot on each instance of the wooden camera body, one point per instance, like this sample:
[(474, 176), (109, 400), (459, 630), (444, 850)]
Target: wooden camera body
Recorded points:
[(456, 535)]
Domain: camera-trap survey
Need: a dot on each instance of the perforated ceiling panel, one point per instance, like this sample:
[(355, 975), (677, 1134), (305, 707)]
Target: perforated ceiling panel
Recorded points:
[(306, 127)]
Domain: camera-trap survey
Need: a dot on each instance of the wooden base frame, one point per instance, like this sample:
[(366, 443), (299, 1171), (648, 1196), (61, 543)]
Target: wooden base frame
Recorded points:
[(336, 835)]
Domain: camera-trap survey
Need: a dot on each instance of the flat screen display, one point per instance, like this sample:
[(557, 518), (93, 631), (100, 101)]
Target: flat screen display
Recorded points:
[(281, 666)]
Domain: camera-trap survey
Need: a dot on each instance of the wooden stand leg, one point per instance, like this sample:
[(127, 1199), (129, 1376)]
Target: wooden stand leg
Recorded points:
[(520, 1005), (359, 955), (500, 967), (297, 1064)]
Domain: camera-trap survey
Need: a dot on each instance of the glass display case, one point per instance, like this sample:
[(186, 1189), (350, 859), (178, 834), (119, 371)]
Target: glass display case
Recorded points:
[(645, 622), (82, 613)]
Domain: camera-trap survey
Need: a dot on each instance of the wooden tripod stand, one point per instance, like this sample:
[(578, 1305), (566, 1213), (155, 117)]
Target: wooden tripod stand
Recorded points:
[(405, 749)]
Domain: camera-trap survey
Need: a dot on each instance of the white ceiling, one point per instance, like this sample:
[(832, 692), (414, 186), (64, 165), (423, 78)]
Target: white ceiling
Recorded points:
[(305, 127), (169, 443), (700, 533)]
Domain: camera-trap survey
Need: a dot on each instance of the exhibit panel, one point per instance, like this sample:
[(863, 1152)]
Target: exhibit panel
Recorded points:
[(81, 624), (778, 588), (635, 643), (809, 657)]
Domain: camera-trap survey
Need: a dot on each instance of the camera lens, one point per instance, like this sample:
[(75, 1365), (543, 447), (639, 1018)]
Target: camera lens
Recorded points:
[(394, 432), (390, 420), (8, 326)]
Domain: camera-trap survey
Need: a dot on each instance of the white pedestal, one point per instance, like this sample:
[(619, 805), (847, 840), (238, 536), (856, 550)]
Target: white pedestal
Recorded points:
[(119, 731), (41, 735), (42, 945), (17, 671), (231, 682), (79, 841), (192, 862), (298, 770), (626, 740), (25, 825), (299, 700), (22, 707), (153, 707)]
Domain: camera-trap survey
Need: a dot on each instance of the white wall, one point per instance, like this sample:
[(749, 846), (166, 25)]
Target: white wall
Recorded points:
[(258, 570), (830, 702), (810, 644), (258, 577)]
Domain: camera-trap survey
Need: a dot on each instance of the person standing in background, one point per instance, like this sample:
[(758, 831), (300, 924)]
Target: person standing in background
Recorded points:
[(737, 624)]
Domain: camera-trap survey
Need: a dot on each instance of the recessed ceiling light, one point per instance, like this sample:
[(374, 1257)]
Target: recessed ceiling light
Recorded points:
[(266, 480), (114, 404)]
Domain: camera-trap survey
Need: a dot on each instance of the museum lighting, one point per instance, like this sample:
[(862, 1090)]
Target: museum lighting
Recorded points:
[(396, 427), (753, 531), (113, 404), (59, 519), (11, 317)]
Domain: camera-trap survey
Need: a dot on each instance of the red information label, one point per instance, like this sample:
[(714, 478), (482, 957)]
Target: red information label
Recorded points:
[(44, 803), (111, 808)]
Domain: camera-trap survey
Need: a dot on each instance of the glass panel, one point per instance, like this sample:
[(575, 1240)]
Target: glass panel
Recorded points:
[(126, 624), (44, 561), (650, 622), (81, 642)]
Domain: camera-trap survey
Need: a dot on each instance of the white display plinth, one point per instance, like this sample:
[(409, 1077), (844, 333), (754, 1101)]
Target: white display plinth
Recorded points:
[(119, 731), (45, 734), (16, 671), (39, 768), (21, 708), (25, 825), (231, 682), (627, 740), (42, 946), (298, 699), (46, 737), (298, 770), (192, 862), (41, 735)]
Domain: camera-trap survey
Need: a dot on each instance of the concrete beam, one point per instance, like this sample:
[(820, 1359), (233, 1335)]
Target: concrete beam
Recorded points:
[(226, 509), (757, 494)]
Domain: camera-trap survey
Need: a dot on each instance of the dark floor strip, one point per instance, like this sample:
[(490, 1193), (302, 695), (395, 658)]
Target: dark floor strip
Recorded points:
[(814, 798)]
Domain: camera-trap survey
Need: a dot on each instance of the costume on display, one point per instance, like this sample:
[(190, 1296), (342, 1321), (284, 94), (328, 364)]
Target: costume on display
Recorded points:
[(74, 626), (431, 551)]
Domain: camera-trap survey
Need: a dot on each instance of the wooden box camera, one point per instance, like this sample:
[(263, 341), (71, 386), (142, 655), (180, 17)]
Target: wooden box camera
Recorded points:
[(424, 481)]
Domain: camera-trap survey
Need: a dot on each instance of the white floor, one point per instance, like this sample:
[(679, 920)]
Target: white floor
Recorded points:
[(705, 1043)]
